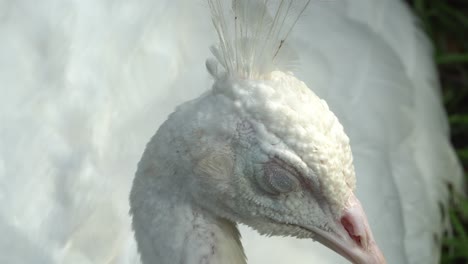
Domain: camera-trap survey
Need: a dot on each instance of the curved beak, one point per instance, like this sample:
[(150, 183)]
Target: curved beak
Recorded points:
[(352, 237)]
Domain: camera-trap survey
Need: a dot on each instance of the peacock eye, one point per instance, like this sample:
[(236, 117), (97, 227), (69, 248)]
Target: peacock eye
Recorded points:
[(277, 179)]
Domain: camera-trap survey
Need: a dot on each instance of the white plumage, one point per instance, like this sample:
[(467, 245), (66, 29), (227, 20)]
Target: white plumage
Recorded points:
[(86, 83)]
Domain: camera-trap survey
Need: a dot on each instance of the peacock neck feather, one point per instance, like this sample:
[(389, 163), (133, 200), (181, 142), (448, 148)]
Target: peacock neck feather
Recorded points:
[(169, 227)]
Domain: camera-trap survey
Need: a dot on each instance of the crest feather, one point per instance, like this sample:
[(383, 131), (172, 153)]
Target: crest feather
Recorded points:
[(252, 33)]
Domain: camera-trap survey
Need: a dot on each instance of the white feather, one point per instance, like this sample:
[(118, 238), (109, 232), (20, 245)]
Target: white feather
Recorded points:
[(86, 83), (253, 33)]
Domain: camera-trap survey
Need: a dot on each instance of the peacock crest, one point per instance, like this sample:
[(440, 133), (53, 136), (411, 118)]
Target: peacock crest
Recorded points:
[(252, 35)]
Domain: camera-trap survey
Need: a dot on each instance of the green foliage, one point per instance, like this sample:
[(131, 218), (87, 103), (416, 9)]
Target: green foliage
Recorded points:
[(446, 22)]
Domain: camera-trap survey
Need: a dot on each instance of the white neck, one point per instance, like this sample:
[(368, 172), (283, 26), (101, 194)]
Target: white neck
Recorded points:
[(169, 227)]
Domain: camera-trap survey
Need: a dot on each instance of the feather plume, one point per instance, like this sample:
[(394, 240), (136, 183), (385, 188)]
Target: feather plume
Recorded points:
[(252, 33)]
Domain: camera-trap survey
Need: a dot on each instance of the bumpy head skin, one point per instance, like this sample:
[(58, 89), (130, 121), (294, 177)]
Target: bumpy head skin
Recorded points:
[(270, 154), (286, 155), (284, 109)]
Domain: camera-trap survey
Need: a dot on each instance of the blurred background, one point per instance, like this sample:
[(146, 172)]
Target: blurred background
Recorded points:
[(446, 23)]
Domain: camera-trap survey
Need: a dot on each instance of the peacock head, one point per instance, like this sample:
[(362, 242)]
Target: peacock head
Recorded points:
[(264, 149), (270, 154)]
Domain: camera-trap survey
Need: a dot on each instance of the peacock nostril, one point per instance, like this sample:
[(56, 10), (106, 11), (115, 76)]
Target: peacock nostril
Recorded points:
[(353, 232), (356, 239)]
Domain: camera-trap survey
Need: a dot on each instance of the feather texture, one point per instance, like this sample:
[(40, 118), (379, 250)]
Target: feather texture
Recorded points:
[(252, 33), (86, 83)]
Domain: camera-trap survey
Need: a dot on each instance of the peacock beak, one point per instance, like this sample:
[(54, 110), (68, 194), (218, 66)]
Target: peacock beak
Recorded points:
[(352, 238)]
